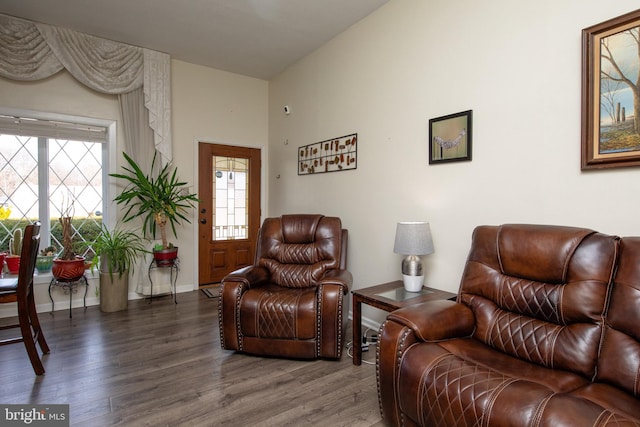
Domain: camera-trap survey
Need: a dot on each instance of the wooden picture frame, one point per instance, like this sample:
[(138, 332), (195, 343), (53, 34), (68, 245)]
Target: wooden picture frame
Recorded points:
[(450, 138), (610, 72)]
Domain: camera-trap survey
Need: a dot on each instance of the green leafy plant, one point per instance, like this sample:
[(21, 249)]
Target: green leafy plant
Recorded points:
[(116, 250), (160, 200)]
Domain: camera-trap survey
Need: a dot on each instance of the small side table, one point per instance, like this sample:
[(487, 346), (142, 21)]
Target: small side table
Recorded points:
[(388, 297), (174, 267), (70, 287)]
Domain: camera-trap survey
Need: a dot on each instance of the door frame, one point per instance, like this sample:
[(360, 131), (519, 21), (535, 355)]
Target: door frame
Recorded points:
[(196, 182)]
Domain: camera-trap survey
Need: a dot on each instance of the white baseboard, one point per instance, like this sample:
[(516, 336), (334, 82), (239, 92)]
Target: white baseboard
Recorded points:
[(367, 322), (61, 302)]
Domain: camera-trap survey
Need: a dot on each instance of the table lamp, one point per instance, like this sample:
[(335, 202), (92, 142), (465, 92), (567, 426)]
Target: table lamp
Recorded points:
[(413, 239)]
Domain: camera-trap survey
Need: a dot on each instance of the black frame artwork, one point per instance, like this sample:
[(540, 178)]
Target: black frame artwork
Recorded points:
[(450, 138)]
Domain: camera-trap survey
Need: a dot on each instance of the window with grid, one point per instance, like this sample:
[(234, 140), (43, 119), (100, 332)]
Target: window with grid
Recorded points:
[(47, 167)]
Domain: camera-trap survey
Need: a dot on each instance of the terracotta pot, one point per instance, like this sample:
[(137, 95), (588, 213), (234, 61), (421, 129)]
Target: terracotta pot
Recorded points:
[(13, 263), (165, 257), (3, 255), (68, 270)]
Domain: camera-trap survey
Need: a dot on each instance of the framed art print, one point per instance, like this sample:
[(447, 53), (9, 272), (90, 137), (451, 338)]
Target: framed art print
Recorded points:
[(611, 93), (450, 138)]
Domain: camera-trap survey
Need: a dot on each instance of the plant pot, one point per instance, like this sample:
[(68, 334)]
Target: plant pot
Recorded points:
[(114, 292), (13, 263), (44, 263), (68, 270), (3, 255), (165, 257)]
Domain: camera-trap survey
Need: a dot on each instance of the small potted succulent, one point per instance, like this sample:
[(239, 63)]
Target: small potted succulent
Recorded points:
[(15, 249), (5, 212), (44, 262)]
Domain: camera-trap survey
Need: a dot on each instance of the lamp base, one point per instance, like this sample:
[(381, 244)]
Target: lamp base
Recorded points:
[(412, 283)]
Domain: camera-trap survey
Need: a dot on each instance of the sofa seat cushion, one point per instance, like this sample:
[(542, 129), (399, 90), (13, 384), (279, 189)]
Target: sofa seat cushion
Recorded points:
[(570, 410), (610, 398), (463, 380), (475, 352), (272, 311)]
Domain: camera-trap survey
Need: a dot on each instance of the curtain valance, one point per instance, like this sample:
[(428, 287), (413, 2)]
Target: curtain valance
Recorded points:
[(34, 51)]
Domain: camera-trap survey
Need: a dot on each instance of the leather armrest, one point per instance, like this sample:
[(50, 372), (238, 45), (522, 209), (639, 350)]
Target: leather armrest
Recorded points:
[(234, 285), (250, 275), (343, 278), (436, 320)]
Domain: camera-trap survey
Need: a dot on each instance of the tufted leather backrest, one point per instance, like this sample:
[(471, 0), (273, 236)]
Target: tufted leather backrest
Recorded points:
[(298, 249), (538, 292), (619, 362)]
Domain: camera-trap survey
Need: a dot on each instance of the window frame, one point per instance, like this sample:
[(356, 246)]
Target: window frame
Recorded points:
[(108, 158)]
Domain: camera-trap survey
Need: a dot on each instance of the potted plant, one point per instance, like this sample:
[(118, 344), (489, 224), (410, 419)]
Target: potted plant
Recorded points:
[(44, 261), (68, 266), (115, 254), (5, 212), (15, 249), (161, 199)]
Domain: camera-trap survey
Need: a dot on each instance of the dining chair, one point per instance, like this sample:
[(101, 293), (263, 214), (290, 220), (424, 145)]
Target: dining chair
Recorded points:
[(20, 290)]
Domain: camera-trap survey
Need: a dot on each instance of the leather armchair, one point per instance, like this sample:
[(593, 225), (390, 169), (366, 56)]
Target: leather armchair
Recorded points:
[(293, 302)]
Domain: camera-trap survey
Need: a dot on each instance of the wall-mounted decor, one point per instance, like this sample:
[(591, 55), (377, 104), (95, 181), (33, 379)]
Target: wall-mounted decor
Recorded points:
[(611, 93), (332, 155), (450, 138)]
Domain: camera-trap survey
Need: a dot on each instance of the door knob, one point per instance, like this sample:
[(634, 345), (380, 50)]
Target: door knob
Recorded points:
[(203, 221)]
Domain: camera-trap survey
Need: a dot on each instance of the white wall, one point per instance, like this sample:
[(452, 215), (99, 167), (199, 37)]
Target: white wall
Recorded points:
[(208, 105), (212, 106), (516, 64)]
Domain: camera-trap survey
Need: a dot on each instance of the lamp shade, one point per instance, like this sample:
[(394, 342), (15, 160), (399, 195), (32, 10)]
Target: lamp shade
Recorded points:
[(413, 238)]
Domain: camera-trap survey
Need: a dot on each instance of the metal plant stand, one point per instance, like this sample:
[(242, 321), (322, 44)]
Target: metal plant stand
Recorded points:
[(69, 287), (174, 266)]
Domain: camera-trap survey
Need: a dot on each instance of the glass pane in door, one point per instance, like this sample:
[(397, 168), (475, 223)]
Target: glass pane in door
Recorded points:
[(230, 216)]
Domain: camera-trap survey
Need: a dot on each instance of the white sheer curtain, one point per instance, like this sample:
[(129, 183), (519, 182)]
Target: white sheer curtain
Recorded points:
[(138, 137), (30, 51), (157, 99)]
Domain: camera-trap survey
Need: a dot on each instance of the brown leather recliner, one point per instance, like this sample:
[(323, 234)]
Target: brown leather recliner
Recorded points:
[(293, 302), (545, 332)]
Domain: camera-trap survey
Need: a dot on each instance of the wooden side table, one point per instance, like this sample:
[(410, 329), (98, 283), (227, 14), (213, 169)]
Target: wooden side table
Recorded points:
[(388, 297)]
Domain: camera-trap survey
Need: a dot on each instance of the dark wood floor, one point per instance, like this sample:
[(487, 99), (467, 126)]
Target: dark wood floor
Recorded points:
[(161, 364)]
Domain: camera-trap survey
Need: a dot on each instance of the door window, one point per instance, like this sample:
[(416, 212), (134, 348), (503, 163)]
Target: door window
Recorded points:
[(230, 216)]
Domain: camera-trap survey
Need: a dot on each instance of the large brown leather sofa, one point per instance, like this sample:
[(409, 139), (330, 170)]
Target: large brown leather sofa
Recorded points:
[(545, 332)]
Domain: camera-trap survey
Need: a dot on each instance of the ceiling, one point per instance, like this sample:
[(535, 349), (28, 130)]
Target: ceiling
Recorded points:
[(257, 38)]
